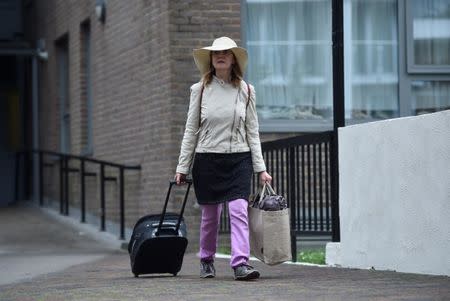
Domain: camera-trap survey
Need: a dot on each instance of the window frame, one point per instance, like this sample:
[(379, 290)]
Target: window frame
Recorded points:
[(406, 76), (62, 48), (411, 66)]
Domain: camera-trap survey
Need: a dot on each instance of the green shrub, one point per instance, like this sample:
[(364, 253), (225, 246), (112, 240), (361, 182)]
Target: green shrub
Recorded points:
[(316, 256), (312, 256), (224, 250)]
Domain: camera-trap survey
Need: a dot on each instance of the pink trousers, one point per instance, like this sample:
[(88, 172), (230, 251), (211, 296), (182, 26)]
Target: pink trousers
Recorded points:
[(209, 228)]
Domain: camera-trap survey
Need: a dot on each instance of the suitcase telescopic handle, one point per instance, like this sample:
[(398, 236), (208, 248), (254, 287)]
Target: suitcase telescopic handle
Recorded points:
[(187, 181), (163, 215)]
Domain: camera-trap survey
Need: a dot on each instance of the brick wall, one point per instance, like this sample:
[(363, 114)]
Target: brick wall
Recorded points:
[(193, 24), (131, 79)]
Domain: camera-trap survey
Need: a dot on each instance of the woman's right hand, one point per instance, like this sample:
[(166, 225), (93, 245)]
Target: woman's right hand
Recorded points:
[(180, 178), (264, 177)]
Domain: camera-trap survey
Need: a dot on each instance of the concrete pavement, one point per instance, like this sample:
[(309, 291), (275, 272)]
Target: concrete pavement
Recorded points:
[(31, 239), (35, 242)]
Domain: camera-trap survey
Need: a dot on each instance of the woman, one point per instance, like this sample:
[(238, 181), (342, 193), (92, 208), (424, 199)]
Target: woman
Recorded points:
[(222, 131)]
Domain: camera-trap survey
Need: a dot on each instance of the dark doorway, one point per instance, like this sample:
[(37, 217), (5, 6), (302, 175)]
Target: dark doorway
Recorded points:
[(12, 127)]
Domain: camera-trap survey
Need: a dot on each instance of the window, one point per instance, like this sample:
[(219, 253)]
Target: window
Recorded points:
[(396, 60), (428, 55), (62, 49), (370, 60), (430, 96), (290, 62), (428, 34)]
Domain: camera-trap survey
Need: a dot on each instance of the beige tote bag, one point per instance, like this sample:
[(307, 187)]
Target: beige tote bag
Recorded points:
[(270, 237)]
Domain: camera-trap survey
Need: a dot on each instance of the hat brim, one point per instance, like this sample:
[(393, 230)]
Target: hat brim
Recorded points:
[(202, 57)]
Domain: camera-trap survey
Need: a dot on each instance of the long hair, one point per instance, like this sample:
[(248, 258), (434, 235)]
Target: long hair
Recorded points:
[(236, 73)]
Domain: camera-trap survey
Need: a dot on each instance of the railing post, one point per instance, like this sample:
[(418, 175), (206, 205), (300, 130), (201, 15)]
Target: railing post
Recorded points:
[(314, 186), (122, 204), (66, 186), (102, 197), (309, 200), (41, 178), (327, 181), (61, 184), (17, 176), (334, 182), (320, 186), (293, 201), (337, 21), (83, 192), (303, 177)]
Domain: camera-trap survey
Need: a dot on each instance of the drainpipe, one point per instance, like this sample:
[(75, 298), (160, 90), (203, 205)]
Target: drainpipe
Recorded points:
[(41, 54), (338, 107), (35, 113)]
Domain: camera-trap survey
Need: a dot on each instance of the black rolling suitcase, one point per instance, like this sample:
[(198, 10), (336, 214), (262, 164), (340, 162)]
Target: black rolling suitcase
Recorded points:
[(159, 241)]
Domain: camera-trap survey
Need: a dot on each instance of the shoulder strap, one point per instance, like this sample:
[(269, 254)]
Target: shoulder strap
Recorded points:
[(200, 106), (248, 95), (248, 101)]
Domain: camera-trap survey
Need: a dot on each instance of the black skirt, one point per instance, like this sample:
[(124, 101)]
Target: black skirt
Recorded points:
[(220, 178)]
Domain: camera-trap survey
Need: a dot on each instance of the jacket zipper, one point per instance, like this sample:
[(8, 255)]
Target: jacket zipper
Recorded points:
[(234, 117)]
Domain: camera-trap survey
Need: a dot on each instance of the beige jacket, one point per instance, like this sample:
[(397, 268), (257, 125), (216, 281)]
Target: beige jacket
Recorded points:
[(227, 124)]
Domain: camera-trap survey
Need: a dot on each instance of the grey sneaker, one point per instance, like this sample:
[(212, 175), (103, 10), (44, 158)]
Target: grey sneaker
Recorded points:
[(207, 269), (245, 272)]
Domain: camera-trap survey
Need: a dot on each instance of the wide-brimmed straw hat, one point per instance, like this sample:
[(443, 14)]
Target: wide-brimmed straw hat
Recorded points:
[(202, 56)]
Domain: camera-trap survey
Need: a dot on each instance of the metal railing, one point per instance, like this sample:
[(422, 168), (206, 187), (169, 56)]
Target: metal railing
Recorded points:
[(63, 160), (302, 169)]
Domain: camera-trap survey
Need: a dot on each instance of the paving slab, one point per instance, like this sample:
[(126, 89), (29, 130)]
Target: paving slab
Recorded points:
[(109, 278), (33, 242)]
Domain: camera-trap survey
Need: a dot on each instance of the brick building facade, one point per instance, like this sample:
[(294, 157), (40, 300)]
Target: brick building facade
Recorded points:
[(140, 70)]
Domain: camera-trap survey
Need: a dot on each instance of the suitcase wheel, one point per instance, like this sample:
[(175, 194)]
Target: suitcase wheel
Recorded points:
[(174, 274), (136, 275)]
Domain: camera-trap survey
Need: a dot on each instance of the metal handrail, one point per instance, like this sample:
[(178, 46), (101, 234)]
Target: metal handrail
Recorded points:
[(296, 141), (70, 156), (64, 171)]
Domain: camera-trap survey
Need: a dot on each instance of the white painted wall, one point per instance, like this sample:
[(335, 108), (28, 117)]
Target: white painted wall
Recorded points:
[(395, 195)]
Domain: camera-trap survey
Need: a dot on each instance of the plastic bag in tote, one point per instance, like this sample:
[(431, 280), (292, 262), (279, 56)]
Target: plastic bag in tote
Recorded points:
[(268, 200)]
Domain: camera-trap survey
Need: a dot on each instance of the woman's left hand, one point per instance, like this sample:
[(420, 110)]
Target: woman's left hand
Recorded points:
[(264, 177)]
